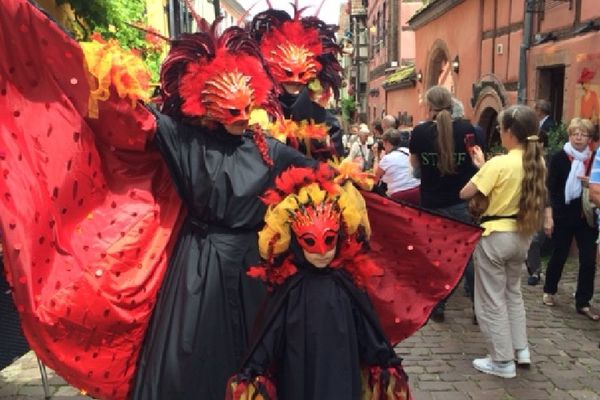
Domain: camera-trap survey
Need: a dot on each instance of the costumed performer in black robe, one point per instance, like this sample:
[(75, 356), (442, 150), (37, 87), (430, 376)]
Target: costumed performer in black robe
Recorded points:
[(199, 329), (318, 336), (301, 54)]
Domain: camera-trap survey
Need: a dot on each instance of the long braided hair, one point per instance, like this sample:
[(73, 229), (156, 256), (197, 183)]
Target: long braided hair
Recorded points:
[(523, 124)]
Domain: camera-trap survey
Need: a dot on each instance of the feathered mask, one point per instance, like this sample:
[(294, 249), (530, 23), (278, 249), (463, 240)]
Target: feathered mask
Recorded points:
[(291, 53), (226, 89), (314, 207), (299, 50), (325, 212), (222, 78)]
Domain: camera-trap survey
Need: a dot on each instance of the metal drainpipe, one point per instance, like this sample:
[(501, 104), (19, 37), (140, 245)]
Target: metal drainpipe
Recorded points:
[(217, 7), (527, 24), (172, 29), (357, 62), (494, 38), (394, 16)]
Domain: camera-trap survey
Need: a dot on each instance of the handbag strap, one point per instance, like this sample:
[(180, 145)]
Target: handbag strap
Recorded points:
[(588, 167)]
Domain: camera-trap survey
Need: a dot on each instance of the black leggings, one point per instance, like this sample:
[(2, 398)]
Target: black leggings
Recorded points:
[(562, 237)]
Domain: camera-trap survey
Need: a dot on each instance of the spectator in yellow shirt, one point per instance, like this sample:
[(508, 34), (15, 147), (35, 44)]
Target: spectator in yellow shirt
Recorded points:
[(513, 215)]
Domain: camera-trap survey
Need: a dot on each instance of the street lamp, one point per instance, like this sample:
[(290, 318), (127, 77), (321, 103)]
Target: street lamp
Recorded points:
[(456, 64)]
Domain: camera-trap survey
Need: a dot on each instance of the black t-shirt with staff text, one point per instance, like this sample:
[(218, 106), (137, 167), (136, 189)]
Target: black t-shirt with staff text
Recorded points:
[(439, 191)]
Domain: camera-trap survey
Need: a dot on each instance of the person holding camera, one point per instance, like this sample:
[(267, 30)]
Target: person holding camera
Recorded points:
[(392, 167)]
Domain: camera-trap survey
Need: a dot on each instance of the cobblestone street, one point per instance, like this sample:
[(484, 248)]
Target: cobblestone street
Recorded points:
[(566, 357), (564, 346)]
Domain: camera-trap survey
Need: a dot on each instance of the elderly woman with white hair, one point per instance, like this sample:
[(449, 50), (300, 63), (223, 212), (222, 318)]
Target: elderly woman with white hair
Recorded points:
[(567, 176), (360, 150)]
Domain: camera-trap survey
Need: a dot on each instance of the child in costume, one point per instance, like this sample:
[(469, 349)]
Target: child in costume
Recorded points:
[(318, 336), (301, 55)]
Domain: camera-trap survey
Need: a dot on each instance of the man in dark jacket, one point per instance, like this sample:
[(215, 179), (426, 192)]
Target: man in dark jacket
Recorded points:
[(543, 108)]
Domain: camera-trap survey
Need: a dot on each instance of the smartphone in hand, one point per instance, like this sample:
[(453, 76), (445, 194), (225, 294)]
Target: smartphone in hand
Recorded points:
[(470, 142)]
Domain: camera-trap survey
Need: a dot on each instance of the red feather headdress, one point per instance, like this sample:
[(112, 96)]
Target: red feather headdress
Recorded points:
[(291, 52), (295, 46), (299, 195), (225, 89), (221, 78)]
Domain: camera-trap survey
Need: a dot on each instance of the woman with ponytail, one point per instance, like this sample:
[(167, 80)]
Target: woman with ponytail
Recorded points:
[(440, 149), (514, 185)]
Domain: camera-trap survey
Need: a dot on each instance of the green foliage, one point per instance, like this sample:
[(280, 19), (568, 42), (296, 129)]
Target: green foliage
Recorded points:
[(115, 19), (557, 137), (494, 150), (348, 108)]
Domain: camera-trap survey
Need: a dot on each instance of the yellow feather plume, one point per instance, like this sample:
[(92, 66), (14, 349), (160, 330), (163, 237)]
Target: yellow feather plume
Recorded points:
[(110, 65), (275, 237), (348, 170), (354, 209)]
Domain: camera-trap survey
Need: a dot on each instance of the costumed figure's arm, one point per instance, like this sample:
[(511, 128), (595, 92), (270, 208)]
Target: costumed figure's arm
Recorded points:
[(330, 144), (306, 136), (383, 377), (423, 256), (87, 211), (335, 134), (382, 373), (255, 378), (285, 156), (119, 84)]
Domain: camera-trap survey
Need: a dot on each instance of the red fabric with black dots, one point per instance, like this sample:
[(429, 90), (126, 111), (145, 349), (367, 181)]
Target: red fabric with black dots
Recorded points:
[(423, 256), (87, 212)]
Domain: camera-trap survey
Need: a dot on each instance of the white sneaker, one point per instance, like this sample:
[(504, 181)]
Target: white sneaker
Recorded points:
[(523, 357), (488, 366)]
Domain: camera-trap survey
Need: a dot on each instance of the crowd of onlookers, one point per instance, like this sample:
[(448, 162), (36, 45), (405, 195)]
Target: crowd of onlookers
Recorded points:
[(522, 199)]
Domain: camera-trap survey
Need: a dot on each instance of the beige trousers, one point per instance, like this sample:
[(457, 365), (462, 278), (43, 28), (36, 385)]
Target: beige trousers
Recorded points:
[(499, 260)]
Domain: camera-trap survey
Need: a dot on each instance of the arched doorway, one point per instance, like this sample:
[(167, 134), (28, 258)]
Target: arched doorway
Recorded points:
[(489, 100), (488, 122), (439, 71)]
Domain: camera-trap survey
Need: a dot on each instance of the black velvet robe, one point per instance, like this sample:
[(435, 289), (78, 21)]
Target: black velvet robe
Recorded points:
[(300, 108), (198, 333), (315, 334)]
